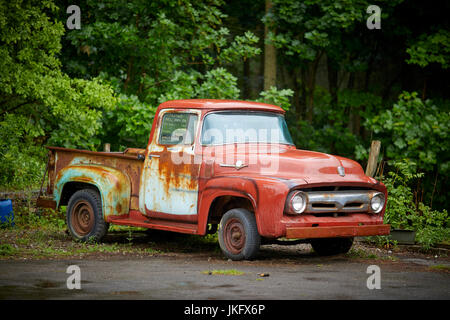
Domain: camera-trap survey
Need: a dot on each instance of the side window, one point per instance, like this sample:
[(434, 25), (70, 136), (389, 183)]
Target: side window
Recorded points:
[(178, 128)]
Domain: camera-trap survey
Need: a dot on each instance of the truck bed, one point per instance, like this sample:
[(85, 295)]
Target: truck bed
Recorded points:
[(129, 162)]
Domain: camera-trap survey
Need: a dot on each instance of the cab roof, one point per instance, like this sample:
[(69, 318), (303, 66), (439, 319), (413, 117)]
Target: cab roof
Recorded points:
[(216, 104)]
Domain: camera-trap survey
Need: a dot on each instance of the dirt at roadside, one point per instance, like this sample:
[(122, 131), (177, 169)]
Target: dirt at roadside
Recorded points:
[(54, 245)]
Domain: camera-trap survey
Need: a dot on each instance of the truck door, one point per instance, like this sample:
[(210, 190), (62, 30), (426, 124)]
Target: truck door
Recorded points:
[(170, 170)]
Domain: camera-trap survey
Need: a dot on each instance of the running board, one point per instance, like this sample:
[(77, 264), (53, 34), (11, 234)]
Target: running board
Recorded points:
[(136, 219)]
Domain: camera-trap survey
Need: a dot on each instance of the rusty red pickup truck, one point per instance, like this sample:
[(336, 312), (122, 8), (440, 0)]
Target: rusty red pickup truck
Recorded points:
[(221, 165)]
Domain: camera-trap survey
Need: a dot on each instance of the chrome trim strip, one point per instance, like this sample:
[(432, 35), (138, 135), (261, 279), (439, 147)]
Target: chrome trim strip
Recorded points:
[(238, 165)]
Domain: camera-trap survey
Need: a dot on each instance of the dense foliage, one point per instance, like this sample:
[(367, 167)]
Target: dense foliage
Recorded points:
[(40, 103), (403, 212)]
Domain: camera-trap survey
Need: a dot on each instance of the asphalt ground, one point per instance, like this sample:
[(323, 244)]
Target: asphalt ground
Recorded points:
[(278, 273)]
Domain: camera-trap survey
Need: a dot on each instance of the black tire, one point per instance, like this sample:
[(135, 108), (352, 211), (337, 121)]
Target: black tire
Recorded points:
[(238, 235), (331, 246), (84, 216)]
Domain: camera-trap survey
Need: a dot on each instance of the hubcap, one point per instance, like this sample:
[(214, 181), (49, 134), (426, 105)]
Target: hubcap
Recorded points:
[(234, 236), (82, 218)]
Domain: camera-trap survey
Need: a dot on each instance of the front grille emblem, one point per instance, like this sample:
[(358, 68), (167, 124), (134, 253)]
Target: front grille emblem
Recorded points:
[(341, 171)]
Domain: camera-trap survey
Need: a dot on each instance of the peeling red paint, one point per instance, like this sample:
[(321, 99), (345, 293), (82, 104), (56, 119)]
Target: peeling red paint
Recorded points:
[(214, 178)]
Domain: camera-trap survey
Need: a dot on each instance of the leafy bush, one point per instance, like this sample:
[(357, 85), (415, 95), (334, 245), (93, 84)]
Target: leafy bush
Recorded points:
[(40, 104), (128, 124), (416, 130), (277, 97), (21, 161), (331, 130), (400, 208), (218, 84), (431, 226), (431, 48)]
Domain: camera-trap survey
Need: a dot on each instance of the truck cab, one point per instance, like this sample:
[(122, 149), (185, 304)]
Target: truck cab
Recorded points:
[(219, 164)]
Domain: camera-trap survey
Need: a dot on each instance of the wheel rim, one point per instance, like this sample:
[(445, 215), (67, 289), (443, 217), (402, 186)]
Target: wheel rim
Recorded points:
[(82, 216), (234, 236)]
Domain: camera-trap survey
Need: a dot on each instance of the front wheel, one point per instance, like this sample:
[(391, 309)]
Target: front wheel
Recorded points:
[(85, 216), (331, 246), (238, 235)]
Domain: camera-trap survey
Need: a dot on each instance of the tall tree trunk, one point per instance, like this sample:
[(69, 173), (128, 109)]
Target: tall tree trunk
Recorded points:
[(332, 73), (310, 86), (299, 93), (332, 80), (246, 83), (129, 73), (270, 56), (351, 111)]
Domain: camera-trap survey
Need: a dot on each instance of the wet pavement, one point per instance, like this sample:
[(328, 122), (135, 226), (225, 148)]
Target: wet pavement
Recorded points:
[(192, 277)]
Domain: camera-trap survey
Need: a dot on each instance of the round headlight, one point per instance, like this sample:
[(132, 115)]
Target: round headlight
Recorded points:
[(298, 202), (377, 202)]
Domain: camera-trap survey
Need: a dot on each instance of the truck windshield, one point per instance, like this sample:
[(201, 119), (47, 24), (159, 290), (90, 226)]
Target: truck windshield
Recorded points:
[(245, 127)]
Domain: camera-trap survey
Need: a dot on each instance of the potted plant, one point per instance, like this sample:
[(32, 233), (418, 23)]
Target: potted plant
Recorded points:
[(403, 236)]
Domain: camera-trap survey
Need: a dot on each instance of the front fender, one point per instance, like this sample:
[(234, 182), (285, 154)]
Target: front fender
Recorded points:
[(224, 186), (114, 186), (267, 196)]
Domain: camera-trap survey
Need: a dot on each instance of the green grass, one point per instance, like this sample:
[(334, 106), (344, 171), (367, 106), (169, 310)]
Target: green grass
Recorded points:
[(359, 253), (44, 235), (7, 250), (229, 272), (440, 267)]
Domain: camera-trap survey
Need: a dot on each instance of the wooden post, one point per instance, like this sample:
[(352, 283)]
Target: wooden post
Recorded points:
[(107, 147), (373, 158)]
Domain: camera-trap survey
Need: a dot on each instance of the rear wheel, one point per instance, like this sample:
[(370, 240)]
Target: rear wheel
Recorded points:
[(85, 216), (238, 235), (331, 246)]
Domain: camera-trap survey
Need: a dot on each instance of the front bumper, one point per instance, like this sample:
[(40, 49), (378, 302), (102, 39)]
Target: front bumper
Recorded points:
[(337, 231)]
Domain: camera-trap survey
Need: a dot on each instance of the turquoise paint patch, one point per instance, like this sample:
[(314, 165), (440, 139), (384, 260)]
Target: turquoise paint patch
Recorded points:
[(114, 185)]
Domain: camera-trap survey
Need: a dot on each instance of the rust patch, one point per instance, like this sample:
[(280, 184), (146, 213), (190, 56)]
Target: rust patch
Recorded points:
[(46, 203), (125, 162), (118, 208), (178, 176)]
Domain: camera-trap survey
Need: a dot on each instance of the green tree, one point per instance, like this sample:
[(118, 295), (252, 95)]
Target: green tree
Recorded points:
[(144, 44), (155, 51), (431, 48), (417, 131), (306, 32), (39, 103)]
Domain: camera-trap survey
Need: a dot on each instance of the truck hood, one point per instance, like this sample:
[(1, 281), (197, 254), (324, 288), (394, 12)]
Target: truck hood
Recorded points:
[(292, 164)]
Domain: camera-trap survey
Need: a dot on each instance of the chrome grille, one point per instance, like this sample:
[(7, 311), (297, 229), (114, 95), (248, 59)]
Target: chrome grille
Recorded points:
[(339, 201)]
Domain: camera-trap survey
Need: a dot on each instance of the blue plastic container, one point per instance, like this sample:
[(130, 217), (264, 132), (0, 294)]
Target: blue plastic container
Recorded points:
[(6, 211)]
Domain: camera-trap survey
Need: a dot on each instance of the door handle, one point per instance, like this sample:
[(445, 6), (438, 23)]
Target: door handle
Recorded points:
[(150, 156)]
